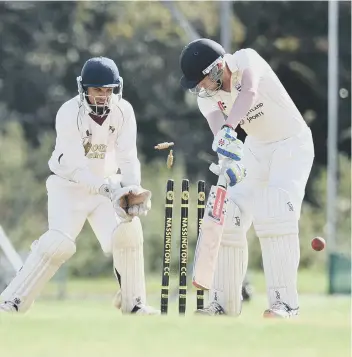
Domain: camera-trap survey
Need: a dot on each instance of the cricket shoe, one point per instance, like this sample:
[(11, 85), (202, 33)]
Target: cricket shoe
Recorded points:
[(211, 310), (139, 309), (145, 310), (247, 292), (280, 310), (8, 306)]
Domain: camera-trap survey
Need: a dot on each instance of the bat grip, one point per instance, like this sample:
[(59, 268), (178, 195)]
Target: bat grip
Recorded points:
[(222, 181)]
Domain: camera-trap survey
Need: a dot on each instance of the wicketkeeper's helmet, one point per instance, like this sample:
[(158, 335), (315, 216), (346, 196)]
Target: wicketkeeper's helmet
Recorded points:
[(99, 72)]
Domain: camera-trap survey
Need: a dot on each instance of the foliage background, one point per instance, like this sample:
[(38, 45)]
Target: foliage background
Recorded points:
[(43, 47)]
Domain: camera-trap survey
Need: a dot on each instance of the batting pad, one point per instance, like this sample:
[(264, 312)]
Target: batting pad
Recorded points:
[(274, 213), (129, 263), (276, 224), (231, 264), (47, 255), (228, 278), (280, 261)]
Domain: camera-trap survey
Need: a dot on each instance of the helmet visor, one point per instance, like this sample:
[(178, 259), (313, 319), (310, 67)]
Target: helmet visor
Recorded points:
[(212, 82)]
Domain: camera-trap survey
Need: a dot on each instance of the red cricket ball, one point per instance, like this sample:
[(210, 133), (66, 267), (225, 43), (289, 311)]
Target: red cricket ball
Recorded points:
[(318, 243)]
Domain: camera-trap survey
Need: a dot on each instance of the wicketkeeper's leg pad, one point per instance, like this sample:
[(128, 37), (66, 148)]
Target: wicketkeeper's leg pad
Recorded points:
[(232, 262), (47, 254), (276, 224), (129, 263)]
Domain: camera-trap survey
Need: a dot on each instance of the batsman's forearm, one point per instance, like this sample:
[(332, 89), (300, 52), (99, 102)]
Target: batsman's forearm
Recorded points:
[(245, 99), (215, 121), (240, 108)]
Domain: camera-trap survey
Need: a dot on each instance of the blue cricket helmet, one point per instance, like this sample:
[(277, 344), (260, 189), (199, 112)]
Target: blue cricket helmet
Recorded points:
[(99, 72)]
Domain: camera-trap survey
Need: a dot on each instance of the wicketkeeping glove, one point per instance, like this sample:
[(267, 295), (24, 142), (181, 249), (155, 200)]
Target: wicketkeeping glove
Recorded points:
[(128, 201), (131, 201)]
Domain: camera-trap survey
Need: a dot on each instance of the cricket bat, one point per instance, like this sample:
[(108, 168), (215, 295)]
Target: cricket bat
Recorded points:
[(209, 238)]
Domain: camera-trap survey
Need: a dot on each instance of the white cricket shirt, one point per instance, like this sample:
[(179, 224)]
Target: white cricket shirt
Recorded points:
[(272, 116), (83, 143)]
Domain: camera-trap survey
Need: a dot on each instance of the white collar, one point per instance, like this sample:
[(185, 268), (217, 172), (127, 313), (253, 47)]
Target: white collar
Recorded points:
[(231, 62)]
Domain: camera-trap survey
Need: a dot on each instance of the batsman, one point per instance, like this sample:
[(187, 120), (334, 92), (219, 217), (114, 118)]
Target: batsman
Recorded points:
[(96, 135), (266, 176)]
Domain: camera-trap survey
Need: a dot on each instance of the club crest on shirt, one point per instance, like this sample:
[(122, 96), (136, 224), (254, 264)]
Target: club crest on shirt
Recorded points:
[(111, 129), (87, 142)]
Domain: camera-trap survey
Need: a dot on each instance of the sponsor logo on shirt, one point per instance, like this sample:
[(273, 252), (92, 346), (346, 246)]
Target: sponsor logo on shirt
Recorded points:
[(97, 151), (238, 87), (222, 105), (258, 106), (252, 114), (255, 114)]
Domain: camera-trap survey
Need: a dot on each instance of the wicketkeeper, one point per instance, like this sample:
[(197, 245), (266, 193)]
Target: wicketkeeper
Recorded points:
[(96, 135)]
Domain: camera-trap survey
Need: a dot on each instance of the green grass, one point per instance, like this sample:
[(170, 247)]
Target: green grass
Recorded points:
[(87, 325), (93, 328), (310, 282)]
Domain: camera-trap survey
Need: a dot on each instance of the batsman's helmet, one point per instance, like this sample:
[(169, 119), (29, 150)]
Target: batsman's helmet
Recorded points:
[(197, 60)]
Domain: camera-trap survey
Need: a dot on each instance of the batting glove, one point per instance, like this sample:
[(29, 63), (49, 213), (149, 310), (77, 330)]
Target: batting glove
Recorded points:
[(226, 143)]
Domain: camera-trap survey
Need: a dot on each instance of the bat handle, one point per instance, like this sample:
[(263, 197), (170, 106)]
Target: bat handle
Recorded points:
[(222, 181), (216, 169)]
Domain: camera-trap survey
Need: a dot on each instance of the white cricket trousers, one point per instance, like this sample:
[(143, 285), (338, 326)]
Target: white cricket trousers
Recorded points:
[(70, 204)]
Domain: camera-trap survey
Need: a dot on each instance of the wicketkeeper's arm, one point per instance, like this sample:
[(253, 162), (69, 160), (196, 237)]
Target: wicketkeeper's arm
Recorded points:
[(126, 149), (68, 159)]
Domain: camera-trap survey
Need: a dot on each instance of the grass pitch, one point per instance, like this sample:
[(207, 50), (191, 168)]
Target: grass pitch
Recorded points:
[(87, 325)]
